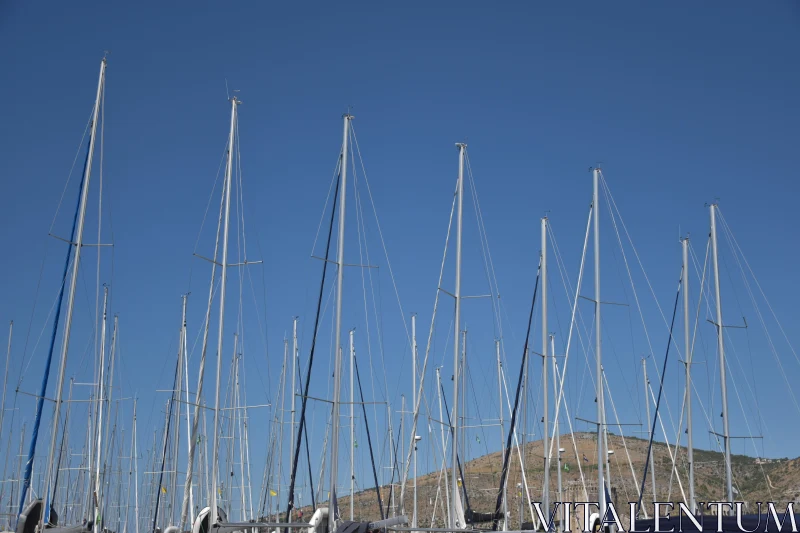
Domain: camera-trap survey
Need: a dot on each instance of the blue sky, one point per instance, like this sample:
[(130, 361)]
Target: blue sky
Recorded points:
[(682, 104)]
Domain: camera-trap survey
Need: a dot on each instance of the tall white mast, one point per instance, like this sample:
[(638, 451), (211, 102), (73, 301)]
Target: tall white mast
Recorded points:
[(722, 368), (456, 332), (545, 392), (185, 355), (110, 388), (391, 454), (292, 398), (352, 425), (688, 351), (601, 456), (463, 395), (203, 467), (220, 332), (444, 440), (239, 415), (135, 473), (557, 430), (282, 410), (245, 422), (337, 377), (176, 444), (402, 433), (502, 427), (414, 402), (100, 402), (72, 286), (522, 444)]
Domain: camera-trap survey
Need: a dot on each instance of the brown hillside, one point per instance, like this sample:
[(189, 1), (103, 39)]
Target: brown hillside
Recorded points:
[(775, 480)]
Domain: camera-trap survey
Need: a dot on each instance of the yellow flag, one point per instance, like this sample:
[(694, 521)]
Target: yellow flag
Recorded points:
[(272, 492), (164, 490)]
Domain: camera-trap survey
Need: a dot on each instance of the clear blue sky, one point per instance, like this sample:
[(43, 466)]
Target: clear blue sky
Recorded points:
[(682, 104)]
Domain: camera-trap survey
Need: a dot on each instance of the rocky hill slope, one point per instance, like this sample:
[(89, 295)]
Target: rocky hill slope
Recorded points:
[(756, 480)]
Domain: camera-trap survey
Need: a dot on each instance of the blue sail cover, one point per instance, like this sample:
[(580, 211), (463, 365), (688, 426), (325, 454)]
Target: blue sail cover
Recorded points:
[(763, 523)]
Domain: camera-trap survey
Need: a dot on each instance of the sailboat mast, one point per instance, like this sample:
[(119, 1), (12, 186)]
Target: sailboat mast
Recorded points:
[(414, 402), (502, 427), (523, 443), (401, 437), (185, 354), (199, 393), (159, 488), (213, 518), (176, 443), (463, 396), (688, 351), (456, 338), (337, 377), (557, 431), (239, 415), (292, 389), (78, 242), (352, 426), (100, 401), (444, 441), (282, 410), (601, 459), (722, 367), (135, 474), (545, 392)]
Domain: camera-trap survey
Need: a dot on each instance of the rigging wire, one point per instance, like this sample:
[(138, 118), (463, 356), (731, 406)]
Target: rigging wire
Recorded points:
[(660, 390), (369, 441), (624, 444), (507, 455), (430, 341), (613, 208), (755, 279), (290, 503)]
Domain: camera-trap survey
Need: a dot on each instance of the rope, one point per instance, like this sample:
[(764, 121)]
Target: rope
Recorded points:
[(361, 226), (458, 460), (518, 447), (736, 357), (633, 287), (571, 326), (396, 292), (421, 386), (71, 169), (394, 469), (204, 349), (40, 401), (674, 471), (761, 318), (166, 444), (507, 455), (669, 449), (635, 252), (489, 270), (575, 449), (733, 381), (380, 233), (369, 442), (737, 247), (304, 403), (660, 390), (624, 444)]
